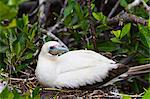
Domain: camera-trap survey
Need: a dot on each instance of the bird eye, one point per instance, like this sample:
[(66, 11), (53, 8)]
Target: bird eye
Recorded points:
[(52, 47)]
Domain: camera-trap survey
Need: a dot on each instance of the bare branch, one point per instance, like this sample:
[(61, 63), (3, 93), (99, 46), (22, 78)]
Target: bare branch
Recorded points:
[(92, 29), (114, 9), (126, 17)]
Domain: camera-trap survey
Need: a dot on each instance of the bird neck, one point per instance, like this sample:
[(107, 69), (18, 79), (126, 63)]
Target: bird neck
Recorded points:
[(48, 56)]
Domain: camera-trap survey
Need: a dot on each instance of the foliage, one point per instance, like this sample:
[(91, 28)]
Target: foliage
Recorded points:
[(17, 43), (129, 39), (146, 94), (7, 94), (8, 8)]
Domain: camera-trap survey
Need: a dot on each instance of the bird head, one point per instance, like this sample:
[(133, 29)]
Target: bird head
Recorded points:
[(53, 48)]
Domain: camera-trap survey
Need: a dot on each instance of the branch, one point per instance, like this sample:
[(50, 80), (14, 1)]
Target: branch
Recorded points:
[(126, 17), (92, 29), (136, 70), (114, 9)]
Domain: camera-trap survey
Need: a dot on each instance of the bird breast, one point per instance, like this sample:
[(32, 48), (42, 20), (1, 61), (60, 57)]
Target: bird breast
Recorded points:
[(45, 71)]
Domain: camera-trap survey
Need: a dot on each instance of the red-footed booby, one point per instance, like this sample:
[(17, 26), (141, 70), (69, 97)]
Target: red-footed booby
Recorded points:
[(71, 69)]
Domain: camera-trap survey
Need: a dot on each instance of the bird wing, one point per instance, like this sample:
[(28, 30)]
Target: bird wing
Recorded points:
[(78, 68)]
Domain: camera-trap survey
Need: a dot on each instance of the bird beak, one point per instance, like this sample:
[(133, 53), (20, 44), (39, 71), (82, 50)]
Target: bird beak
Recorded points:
[(61, 49), (58, 50)]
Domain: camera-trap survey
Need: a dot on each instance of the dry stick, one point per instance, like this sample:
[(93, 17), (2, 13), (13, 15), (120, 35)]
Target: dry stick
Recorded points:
[(62, 10), (19, 79), (126, 17), (146, 6), (142, 69), (137, 2), (113, 9), (36, 10), (92, 29), (132, 96), (138, 72), (133, 4), (138, 68)]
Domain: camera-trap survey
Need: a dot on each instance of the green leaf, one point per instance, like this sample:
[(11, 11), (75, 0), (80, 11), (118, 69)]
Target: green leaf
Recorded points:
[(25, 20), (68, 10), (6, 12), (67, 20), (147, 94), (12, 38), (100, 17), (16, 94), (3, 49), (21, 39), (92, 6), (3, 40), (12, 2), (117, 33), (96, 16), (28, 56), (6, 94), (149, 22), (79, 11), (36, 92), (115, 40), (12, 24), (18, 48), (125, 30), (123, 3), (107, 46), (126, 97), (144, 35)]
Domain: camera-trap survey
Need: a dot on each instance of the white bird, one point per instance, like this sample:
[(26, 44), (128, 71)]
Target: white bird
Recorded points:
[(71, 69)]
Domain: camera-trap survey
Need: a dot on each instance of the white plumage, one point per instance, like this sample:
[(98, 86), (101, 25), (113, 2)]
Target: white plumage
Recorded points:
[(71, 69)]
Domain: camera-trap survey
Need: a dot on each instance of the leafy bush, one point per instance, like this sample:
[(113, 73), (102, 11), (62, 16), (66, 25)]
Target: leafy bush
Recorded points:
[(129, 38), (17, 43)]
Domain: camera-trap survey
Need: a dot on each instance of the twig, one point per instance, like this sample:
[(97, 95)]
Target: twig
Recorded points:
[(138, 68), (138, 72), (133, 4), (54, 89), (113, 9), (92, 29), (19, 79), (41, 11), (126, 17), (36, 10), (53, 28), (24, 73), (145, 5), (62, 10), (132, 96), (137, 2)]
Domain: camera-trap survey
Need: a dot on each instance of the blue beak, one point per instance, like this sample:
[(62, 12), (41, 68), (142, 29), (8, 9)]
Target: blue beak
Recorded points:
[(62, 49), (59, 49)]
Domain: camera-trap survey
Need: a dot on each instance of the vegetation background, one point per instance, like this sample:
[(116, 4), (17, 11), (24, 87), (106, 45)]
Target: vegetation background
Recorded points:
[(119, 29)]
